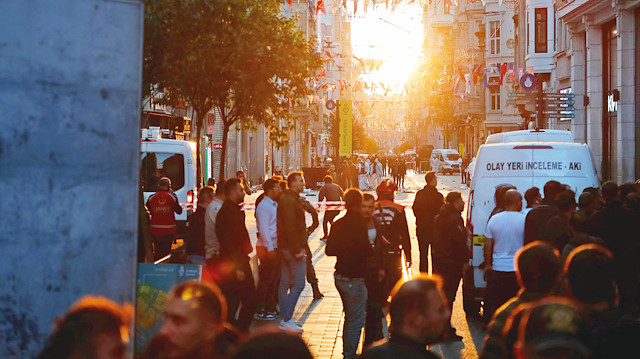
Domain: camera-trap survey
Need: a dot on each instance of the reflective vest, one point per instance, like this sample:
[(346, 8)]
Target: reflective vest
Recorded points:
[(161, 206)]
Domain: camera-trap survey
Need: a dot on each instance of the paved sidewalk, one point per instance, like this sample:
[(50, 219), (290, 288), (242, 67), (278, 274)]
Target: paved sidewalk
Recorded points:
[(322, 320)]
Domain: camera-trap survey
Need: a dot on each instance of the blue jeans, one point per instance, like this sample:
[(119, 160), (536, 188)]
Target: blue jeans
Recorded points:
[(291, 276), (353, 293)]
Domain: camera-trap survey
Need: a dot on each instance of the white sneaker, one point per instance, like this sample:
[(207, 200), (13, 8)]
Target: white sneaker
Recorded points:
[(290, 325)]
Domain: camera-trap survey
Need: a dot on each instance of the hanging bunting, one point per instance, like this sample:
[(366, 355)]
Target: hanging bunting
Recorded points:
[(462, 75), (290, 2)]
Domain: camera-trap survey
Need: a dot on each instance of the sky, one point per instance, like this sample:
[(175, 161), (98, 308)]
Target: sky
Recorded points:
[(394, 37)]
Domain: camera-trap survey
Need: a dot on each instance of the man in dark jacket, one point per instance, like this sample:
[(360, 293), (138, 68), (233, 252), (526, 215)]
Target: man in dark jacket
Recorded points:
[(195, 227), (349, 241), (616, 226), (292, 239), (419, 316), (375, 280), (235, 245), (394, 231), (449, 248), (537, 218), (426, 207)]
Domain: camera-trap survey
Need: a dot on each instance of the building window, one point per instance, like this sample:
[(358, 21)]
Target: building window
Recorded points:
[(541, 30), (494, 94), (494, 37)]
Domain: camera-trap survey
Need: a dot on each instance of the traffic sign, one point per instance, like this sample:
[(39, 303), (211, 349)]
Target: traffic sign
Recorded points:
[(521, 101), (555, 108), (559, 95), (528, 82), (560, 102), (560, 115)]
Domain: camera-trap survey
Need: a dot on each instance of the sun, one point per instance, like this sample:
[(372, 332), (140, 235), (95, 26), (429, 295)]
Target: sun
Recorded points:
[(395, 38), (395, 71)]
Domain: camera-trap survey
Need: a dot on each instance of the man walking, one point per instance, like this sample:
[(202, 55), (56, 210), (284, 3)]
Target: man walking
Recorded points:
[(162, 206), (238, 285), (504, 236), (195, 242), (426, 207), (350, 243), (331, 192), (449, 248), (394, 230), (292, 239), (266, 249), (211, 243)]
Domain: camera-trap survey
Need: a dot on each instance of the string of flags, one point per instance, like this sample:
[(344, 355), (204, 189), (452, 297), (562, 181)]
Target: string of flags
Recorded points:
[(337, 6)]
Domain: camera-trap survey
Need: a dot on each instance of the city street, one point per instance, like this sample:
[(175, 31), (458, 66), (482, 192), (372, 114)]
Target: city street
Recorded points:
[(322, 319)]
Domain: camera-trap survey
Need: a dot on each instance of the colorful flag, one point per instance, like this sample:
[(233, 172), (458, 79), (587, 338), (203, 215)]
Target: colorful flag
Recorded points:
[(511, 71), (503, 71), (476, 72), (520, 72), (320, 7), (484, 79)]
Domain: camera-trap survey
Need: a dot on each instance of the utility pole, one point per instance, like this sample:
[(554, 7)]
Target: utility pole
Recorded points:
[(539, 103)]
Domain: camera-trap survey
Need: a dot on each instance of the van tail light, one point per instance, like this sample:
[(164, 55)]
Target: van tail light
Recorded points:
[(190, 196)]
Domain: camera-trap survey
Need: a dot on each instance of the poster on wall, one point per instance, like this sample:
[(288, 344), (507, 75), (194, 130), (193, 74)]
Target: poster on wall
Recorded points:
[(153, 285)]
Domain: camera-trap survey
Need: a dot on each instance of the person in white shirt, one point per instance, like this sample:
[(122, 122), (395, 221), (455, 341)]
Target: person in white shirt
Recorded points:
[(503, 238), (266, 246), (211, 243)]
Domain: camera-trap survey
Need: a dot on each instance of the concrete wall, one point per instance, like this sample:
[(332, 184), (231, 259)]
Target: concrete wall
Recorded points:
[(70, 78)]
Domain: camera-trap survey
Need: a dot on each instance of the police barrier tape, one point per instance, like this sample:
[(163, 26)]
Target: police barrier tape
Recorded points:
[(326, 205)]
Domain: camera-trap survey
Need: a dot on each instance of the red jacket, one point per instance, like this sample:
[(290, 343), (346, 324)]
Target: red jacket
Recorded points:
[(162, 206)]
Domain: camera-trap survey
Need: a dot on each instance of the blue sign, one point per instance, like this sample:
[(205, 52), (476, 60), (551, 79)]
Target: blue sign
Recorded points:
[(528, 82)]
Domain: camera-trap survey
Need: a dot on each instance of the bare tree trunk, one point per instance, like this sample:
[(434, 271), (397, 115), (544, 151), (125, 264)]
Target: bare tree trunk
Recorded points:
[(223, 156)]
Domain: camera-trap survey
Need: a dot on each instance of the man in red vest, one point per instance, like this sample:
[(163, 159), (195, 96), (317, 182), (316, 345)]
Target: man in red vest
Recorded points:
[(162, 206)]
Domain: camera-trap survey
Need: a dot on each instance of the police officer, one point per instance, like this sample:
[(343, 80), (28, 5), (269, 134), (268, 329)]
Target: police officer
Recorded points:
[(394, 230)]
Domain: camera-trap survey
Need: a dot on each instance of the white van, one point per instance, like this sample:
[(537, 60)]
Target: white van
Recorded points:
[(161, 157), (523, 165), (541, 135), (445, 161)]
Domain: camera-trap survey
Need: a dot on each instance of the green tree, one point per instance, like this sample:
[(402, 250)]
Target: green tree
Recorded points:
[(369, 145), (242, 58)]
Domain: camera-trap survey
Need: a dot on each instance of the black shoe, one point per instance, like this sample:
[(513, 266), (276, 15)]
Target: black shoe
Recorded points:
[(453, 336)]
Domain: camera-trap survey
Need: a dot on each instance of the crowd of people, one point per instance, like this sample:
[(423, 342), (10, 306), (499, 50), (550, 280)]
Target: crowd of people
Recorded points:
[(562, 276)]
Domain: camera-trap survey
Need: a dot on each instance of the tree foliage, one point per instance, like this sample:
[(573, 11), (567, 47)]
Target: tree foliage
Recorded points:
[(241, 58)]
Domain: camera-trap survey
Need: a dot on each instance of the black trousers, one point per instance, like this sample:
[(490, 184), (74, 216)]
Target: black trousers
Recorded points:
[(311, 273), (240, 294), (162, 245), (376, 298), (328, 218), (393, 269), (451, 276), (424, 241), (501, 286), (268, 282)]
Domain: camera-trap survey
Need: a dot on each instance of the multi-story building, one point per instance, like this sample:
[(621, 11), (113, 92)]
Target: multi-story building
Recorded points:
[(601, 43)]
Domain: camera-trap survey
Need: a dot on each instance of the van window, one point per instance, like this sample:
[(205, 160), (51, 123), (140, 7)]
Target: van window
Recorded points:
[(155, 165), (452, 156)]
